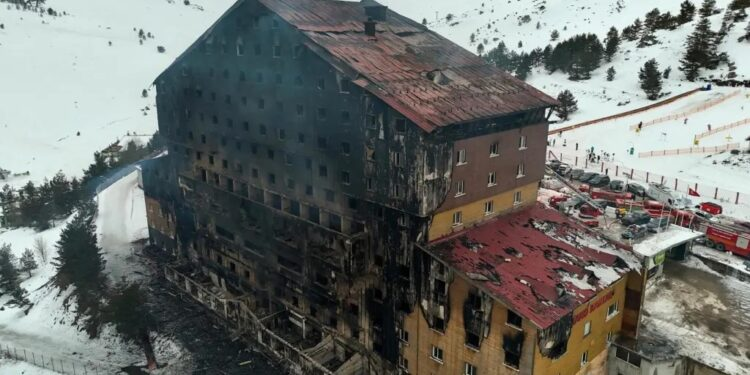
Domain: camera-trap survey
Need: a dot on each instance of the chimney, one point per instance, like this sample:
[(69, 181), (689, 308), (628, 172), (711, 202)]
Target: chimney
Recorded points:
[(375, 10), (370, 27)]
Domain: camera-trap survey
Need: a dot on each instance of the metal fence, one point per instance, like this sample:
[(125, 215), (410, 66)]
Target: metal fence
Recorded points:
[(65, 366), (689, 150), (616, 170), (677, 116), (723, 128)]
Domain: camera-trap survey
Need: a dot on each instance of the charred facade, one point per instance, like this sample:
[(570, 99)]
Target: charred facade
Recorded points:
[(315, 148)]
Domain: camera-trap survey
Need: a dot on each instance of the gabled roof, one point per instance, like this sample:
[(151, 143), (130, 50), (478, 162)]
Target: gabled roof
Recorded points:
[(533, 262), (427, 78)]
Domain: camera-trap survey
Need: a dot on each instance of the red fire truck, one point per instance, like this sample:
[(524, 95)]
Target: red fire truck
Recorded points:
[(611, 196), (727, 236)]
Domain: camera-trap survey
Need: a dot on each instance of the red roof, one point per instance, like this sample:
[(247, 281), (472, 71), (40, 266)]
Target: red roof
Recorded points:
[(424, 76), (526, 260)]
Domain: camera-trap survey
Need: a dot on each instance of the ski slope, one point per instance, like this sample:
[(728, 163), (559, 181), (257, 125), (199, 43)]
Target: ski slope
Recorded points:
[(60, 76)]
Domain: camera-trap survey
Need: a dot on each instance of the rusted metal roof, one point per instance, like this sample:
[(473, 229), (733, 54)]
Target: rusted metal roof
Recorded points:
[(533, 262), (424, 76)]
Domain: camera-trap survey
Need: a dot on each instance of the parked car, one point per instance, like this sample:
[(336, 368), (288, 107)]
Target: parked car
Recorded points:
[(564, 170), (636, 217), (586, 176), (636, 189), (555, 201), (657, 223), (634, 232), (599, 180), (553, 164), (574, 202), (587, 211), (661, 193), (576, 174), (616, 185), (711, 208)]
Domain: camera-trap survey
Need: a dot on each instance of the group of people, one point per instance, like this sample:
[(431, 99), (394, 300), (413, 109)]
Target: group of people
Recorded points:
[(597, 158)]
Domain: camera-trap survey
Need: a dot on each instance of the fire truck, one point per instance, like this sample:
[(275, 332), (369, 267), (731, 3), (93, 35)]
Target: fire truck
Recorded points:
[(727, 235)]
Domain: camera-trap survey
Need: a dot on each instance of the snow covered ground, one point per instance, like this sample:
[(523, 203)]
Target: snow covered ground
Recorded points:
[(8, 367), (48, 329), (60, 76)]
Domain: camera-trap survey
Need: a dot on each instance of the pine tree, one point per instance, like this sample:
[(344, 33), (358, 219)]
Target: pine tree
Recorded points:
[(747, 32), (727, 23), (700, 51), (648, 36), (28, 263), (732, 70), (480, 49), (667, 72), (424, 21), (9, 278), (611, 73), (687, 12), (568, 104), (80, 264), (60, 191), (612, 43), (707, 8), (524, 67), (554, 35), (131, 318), (98, 168), (739, 4), (650, 78)]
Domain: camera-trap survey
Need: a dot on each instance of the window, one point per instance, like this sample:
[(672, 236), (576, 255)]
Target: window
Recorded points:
[(461, 157), (321, 113), (254, 172), (288, 159), (262, 129), (512, 360), (609, 336), (585, 358), (345, 116), (587, 328), (520, 171), (517, 197), (472, 340), (370, 184), (612, 310), (271, 154), (323, 171), (282, 134), (470, 369), (334, 222), (403, 335), (289, 183), (400, 125), (211, 159), (277, 51), (298, 50), (491, 179), (403, 363), (322, 142), (301, 137), (240, 47), (489, 207), (300, 110), (514, 320), (313, 214), (245, 126), (271, 178), (308, 163), (437, 354), (203, 139), (261, 104), (345, 86), (457, 218), (224, 163), (397, 191), (522, 143), (625, 355), (243, 78), (308, 189), (460, 188), (345, 148), (321, 84), (494, 149), (345, 177), (396, 158)]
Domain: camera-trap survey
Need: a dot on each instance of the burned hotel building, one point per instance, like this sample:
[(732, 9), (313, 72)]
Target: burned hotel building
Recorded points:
[(358, 194)]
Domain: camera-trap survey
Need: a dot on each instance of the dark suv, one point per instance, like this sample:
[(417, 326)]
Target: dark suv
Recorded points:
[(636, 218)]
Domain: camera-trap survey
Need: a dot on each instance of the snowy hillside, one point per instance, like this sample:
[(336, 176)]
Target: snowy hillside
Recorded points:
[(60, 76), (503, 20)]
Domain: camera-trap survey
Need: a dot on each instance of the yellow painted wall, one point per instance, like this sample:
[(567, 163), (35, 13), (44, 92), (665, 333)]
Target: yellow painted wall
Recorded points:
[(595, 342), (473, 213), (489, 359)]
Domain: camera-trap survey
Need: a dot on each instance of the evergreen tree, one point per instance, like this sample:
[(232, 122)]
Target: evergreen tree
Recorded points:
[(707, 8), (524, 67), (739, 4), (554, 35), (127, 311), (612, 43), (747, 32), (650, 78), (60, 190), (732, 70), (424, 21), (568, 104), (9, 278), (577, 56), (611, 73), (667, 72), (629, 33), (9, 202), (727, 23), (700, 51), (80, 264), (480, 49), (98, 168), (28, 263), (648, 36), (499, 57), (687, 12)]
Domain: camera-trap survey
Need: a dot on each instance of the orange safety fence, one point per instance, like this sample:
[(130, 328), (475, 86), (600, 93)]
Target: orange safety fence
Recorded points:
[(625, 114), (689, 150), (677, 116), (615, 170), (723, 128)]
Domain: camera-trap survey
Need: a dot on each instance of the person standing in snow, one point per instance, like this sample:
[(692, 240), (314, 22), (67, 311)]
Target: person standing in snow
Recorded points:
[(709, 127), (685, 122), (640, 126)]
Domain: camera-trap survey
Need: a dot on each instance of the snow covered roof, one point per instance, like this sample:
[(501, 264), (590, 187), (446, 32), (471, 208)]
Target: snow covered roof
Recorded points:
[(670, 237), (425, 77), (533, 262)]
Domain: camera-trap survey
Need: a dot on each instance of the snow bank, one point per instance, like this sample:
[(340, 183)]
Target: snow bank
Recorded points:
[(10, 367)]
